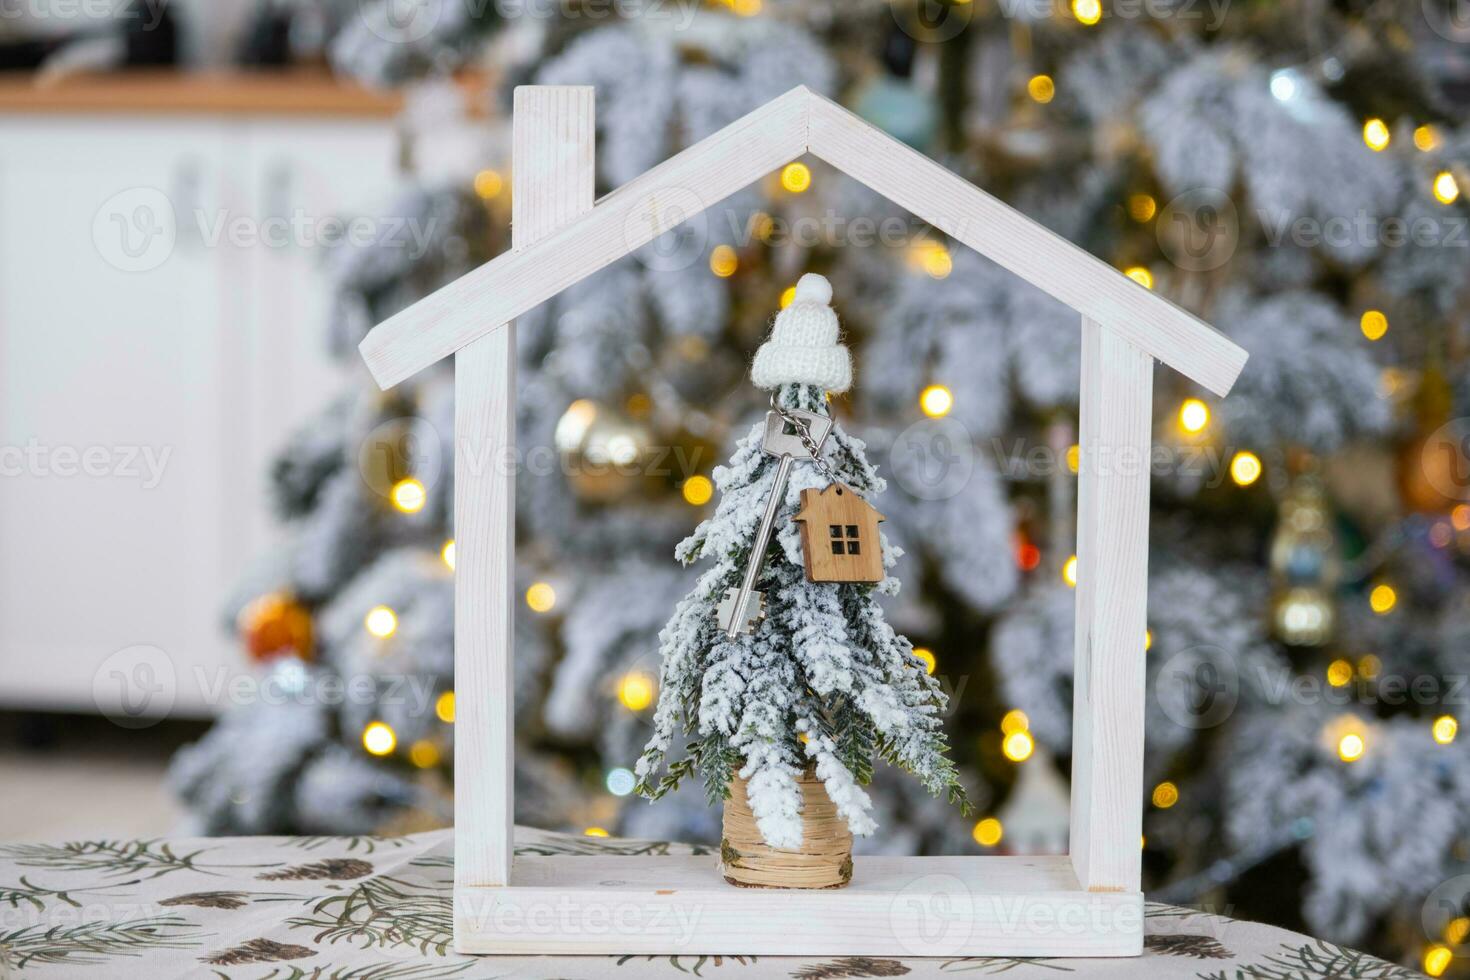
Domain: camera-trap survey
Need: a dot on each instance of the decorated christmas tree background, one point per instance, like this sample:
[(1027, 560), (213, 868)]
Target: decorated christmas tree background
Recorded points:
[(1290, 172)]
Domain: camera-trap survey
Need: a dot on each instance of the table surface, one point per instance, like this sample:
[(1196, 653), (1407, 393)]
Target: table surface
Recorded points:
[(375, 908)]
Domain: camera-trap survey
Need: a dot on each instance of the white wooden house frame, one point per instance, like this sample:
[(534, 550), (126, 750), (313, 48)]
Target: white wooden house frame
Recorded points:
[(1086, 903)]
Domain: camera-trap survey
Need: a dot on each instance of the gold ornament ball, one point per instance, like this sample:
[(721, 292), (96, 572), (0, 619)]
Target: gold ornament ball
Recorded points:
[(276, 625)]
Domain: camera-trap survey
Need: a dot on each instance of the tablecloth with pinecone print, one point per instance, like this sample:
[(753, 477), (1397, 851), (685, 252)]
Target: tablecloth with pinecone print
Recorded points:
[(380, 908)]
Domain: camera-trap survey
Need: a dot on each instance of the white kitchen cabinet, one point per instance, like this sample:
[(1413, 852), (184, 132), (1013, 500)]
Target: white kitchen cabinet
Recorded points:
[(139, 409)]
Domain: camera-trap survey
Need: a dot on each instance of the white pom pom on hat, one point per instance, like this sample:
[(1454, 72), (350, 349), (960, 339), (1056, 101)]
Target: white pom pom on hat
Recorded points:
[(803, 347)]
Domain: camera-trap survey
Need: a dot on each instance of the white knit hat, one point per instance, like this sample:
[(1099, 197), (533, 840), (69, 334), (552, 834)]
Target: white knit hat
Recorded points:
[(803, 347)]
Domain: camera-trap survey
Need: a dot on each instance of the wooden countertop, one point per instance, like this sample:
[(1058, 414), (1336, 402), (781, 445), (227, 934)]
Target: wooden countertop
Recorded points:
[(151, 92)]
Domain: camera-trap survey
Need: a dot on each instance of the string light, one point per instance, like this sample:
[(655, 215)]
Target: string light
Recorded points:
[(1074, 457), (1014, 721), (424, 754), (541, 597), (723, 261), (1194, 415), (1142, 207), (447, 553), (931, 662), (1069, 571), (1457, 930), (698, 490), (1446, 189), (1376, 134), (936, 401), (787, 295), (1437, 960), (409, 495), (1283, 84), (1148, 640), (935, 260), (1373, 324), (988, 832), (635, 690), (378, 738), (1369, 666), (1445, 728), (1339, 673), (1425, 138), (1383, 598), (1460, 517), (1041, 88), (1245, 468), (796, 177), (1018, 746), (1028, 556), (489, 184), (1165, 795), (1351, 746), (444, 707), (381, 622), (1140, 275), (620, 781), (1088, 12), (746, 8), (594, 832)]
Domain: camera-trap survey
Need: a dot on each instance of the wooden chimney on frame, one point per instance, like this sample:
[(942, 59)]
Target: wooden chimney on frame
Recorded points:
[(1086, 903)]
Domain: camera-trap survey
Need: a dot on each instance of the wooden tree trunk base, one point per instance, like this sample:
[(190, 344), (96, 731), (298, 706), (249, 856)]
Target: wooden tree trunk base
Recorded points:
[(824, 859)]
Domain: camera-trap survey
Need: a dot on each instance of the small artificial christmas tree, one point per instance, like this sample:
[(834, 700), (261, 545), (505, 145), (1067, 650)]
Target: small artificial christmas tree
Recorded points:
[(820, 682)]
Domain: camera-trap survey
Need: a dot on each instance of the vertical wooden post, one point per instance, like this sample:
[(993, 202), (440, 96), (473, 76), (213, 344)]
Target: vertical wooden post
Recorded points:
[(1115, 436), (551, 183)]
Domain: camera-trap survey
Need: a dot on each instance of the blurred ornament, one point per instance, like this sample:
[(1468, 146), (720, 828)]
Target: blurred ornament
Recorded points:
[(1433, 465), (891, 101), (276, 625), (1035, 816), (1304, 566), (601, 450)]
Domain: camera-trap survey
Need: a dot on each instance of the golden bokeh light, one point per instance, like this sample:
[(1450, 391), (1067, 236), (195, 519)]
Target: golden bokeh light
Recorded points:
[(541, 597), (988, 832), (936, 401), (378, 738)]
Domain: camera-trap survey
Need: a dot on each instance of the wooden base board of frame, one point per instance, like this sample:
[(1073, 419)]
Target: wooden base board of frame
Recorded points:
[(895, 906)]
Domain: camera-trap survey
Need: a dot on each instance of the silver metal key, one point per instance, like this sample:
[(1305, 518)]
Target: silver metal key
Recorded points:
[(742, 608)]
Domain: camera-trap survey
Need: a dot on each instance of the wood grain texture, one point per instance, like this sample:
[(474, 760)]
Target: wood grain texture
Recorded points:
[(627, 219), (211, 93), (1025, 247), (1115, 439), (677, 904), (552, 160), (839, 536)]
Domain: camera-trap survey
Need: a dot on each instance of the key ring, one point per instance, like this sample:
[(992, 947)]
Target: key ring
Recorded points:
[(803, 432)]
